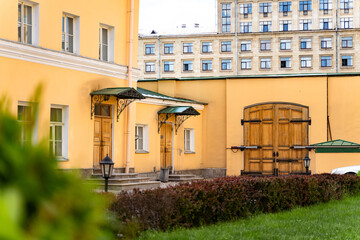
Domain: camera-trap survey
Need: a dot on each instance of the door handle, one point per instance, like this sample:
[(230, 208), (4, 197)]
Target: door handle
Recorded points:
[(277, 154)]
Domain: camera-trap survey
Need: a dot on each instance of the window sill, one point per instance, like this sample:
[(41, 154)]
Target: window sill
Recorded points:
[(347, 67), (150, 72), (227, 52), (285, 50), (187, 52), (141, 151), (305, 49), (206, 52), (206, 71), (191, 71), (189, 152), (151, 54), (61, 159)]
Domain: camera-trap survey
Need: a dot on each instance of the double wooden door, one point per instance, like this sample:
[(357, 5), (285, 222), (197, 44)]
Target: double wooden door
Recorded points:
[(102, 135), (166, 146), (275, 128)]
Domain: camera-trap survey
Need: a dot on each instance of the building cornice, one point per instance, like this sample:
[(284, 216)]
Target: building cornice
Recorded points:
[(155, 101), (54, 58)]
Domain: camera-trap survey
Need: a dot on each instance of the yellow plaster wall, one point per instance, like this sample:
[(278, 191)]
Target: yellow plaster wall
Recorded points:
[(325, 162)]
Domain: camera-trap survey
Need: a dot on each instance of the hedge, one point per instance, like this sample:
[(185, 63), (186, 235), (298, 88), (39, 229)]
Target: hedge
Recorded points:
[(230, 198)]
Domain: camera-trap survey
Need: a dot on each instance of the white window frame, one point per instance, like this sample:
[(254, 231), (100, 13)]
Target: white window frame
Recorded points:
[(246, 64), (145, 143), (168, 48), (34, 123), (350, 60), (282, 22), (302, 22), (65, 131), (346, 23), (228, 64), (306, 62), (226, 17), (265, 45), (265, 23), (287, 61), (226, 46), (149, 67), (247, 26), (347, 42), (207, 46), (246, 44), (285, 44), (171, 66), (307, 43), (109, 44), (324, 20), (75, 35), (187, 48), (326, 43), (189, 65), (34, 23), (206, 65), (189, 136), (265, 63), (151, 47)]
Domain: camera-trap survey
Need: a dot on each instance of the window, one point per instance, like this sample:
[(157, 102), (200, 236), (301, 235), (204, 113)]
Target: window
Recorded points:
[(168, 48), (326, 43), (245, 46), (265, 8), (27, 23), (305, 6), (265, 45), (245, 64), (206, 47), (346, 22), (141, 138), (285, 44), (149, 49), (305, 43), (189, 140), (168, 66), (325, 5), (245, 27), (226, 17), (58, 132), (285, 7), (305, 24), (207, 65), (347, 42), (285, 62), (346, 61), (70, 30), (149, 67), (187, 66), (226, 46), (106, 43), (346, 5), (265, 26), (325, 23), (187, 48), (26, 120), (325, 61), (226, 64), (265, 63), (246, 9), (305, 62), (285, 25)]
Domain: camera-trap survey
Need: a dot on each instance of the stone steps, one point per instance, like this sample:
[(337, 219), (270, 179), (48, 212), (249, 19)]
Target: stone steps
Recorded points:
[(183, 177)]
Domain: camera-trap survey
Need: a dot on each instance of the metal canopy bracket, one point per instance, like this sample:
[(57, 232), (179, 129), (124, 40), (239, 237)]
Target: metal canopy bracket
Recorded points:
[(180, 119), (121, 105), (95, 100), (162, 118)]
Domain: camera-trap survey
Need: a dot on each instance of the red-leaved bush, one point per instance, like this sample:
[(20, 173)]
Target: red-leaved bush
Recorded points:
[(210, 201)]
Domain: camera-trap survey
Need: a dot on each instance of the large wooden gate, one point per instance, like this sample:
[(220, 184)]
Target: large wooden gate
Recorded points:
[(275, 128)]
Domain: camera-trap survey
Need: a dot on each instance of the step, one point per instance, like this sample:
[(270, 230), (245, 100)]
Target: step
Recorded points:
[(183, 176), (117, 175), (130, 186), (119, 180), (185, 179)]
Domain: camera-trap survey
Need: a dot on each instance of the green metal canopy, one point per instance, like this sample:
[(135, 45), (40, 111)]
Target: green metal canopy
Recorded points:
[(180, 113), (124, 96), (336, 146)]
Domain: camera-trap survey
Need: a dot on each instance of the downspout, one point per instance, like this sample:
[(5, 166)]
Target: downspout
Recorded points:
[(236, 37), (336, 36), (128, 145), (159, 57)]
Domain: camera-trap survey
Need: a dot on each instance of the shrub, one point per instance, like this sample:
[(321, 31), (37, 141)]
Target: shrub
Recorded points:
[(207, 202)]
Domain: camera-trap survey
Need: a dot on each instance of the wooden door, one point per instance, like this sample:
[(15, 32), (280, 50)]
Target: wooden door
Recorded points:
[(275, 128), (102, 134), (166, 146)]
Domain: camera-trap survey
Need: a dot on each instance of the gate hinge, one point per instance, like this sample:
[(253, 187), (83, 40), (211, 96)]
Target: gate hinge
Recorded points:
[(300, 120), (245, 121)]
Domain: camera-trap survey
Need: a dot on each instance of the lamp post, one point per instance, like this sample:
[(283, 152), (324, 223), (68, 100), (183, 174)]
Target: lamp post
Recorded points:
[(107, 166), (307, 164)]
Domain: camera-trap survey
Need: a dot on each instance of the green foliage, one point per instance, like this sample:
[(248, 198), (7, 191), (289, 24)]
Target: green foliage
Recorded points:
[(226, 199), (38, 201)]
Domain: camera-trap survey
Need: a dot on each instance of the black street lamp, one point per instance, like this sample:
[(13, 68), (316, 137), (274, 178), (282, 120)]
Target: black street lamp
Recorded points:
[(107, 166), (307, 164)]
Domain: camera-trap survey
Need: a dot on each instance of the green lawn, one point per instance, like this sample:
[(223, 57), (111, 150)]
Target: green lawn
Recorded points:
[(333, 220)]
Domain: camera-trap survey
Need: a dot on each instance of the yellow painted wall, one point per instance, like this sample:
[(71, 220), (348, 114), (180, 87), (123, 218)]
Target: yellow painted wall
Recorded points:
[(325, 162)]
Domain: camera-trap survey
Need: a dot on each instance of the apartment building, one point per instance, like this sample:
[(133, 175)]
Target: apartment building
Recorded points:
[(260, 37)]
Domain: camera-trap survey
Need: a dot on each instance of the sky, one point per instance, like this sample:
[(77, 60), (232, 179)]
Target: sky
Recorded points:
[(165, 16)]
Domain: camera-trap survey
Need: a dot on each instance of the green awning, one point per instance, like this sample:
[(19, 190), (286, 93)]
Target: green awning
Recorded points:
[(185, 110), (120, 92), (336, 146)]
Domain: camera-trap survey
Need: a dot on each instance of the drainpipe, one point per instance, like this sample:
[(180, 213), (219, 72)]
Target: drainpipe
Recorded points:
[(336, 36), (159, 57), (128, 148), (236, 37)]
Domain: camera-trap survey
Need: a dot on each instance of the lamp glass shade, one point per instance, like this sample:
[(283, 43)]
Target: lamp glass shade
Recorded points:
[(107, 166), (306, 161)]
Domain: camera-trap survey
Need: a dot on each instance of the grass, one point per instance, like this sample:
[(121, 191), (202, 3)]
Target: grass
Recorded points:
[(333, 220)]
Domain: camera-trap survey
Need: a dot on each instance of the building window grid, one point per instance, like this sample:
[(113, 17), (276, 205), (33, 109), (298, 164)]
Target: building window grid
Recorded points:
[(68, 23), (285, 7), (245, 27), (346, 23), (206, 47), (168, 48), (285, 62), (326, 43), (246, 9), (265, 45), (26, 121), (187, 66), (265, 8), (265, 26), (347, 61), (305, 62), (245, 46), (347, 42), (285, 44), (189, 140), (326, 61), (103, 43), (245, 64), (346, 5), (168, 66), (187, 48), (226, 46), (325, 23), (150, 67), (25, 23), (207, 65), (150, 49), (285, 25), (226, 17), (305, 24), (305, 6), (305, 43), (265, 63), (325, 5), (226, 64), (56, 131)]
